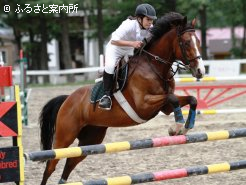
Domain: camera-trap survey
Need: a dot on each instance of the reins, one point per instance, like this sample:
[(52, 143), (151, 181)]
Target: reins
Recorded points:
[(159, 59), (179, 65)]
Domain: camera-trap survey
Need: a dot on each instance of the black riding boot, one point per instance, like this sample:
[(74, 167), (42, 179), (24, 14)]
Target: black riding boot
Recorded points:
[(106, 102)]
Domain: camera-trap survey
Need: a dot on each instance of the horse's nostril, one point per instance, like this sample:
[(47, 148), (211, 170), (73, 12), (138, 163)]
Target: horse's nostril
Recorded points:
[(199, 74)]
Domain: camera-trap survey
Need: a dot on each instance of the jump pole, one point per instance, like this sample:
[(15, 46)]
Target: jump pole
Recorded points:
[(167, 174), (134, 145), (210, 79), (212, 111)]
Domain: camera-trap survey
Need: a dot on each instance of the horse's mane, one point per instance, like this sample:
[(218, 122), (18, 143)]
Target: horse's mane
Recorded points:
[(165, 23)]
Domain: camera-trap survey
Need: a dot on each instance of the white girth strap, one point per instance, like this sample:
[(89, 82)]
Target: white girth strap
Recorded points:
[(127, 107)]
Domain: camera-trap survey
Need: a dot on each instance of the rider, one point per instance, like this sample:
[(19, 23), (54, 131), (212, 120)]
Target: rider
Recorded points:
[(125, 38)]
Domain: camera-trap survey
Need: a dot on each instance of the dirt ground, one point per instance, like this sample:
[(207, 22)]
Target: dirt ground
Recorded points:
[(146, 160)]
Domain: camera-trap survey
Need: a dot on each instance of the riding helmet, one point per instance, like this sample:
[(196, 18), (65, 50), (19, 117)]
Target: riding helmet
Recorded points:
[(146, 10)]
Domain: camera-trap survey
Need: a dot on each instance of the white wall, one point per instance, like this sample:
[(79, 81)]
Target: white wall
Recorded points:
[(224, 67), (53, 52)]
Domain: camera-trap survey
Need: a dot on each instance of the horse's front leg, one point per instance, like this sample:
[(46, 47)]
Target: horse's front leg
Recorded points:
[(192, 102), (178, 116), (174, 104)]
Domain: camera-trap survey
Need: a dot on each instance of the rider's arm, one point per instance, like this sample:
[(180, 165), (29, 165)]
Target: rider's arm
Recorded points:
[(134, 44), (122, 36)]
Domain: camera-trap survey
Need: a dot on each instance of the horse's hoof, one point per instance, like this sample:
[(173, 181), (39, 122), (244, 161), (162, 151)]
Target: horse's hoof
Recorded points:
[(184, 131), (171, 131)]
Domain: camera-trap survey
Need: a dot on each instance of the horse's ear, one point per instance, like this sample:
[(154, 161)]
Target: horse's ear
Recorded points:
[(193, 22), (185, 20), (172, 25)]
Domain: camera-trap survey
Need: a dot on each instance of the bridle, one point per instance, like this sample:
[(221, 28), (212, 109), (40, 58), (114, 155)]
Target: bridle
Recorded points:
[(182, 46), (186, 64)]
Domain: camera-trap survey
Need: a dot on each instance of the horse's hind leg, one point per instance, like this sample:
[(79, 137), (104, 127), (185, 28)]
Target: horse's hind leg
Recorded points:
[(62, 140), (48, 171), (89, 135)]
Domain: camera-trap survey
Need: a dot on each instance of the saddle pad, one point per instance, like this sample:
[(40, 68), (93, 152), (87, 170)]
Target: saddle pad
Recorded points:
[(97, 92)]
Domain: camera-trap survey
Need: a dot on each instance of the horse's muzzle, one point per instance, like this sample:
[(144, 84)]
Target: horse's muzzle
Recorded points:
[(199, 74)]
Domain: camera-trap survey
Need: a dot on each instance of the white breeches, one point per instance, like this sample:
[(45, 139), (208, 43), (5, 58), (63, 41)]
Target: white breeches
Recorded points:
[(113, 55)]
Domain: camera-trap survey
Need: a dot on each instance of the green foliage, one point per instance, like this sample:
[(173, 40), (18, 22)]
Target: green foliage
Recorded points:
[(115, 13), (220, 13)]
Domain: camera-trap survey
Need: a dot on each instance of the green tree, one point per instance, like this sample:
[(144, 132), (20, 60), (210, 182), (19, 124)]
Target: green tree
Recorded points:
[(118, 12), (223, 13), (100, 25), (231, 14), (43, 26), (196, 9)]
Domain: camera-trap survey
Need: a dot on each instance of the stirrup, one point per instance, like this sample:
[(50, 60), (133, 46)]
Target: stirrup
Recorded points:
[(105, 105)]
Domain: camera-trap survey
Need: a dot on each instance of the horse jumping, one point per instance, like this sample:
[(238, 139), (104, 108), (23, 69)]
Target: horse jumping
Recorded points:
[(149, 90)]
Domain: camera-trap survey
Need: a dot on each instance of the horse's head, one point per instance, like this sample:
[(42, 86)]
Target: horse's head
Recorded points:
[(173, 38), (187, 48)]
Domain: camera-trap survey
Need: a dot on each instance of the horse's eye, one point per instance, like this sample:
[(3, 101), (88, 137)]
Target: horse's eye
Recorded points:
[(187, 43)]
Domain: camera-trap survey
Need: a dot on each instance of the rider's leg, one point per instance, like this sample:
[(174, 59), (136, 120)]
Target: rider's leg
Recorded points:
[(106, 102), (111, 57)]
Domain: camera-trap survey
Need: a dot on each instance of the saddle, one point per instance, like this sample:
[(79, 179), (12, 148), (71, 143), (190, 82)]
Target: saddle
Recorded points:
[(120, 78), (120, 75)]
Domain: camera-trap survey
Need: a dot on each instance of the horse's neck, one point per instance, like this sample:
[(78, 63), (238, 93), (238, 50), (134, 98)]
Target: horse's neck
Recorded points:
[(164, 47), (147, 78)]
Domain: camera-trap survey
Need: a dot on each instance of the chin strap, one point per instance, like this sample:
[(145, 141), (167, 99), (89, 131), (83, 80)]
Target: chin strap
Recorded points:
[(141, 25)]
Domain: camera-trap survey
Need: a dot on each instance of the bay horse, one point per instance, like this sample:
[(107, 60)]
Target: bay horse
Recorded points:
[(149, 90)]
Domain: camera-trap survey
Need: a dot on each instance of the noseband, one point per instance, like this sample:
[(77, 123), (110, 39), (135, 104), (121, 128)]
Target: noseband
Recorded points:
[(180, 32)]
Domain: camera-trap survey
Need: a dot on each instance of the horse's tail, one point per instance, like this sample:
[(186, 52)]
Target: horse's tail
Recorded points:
[(47, 120)]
